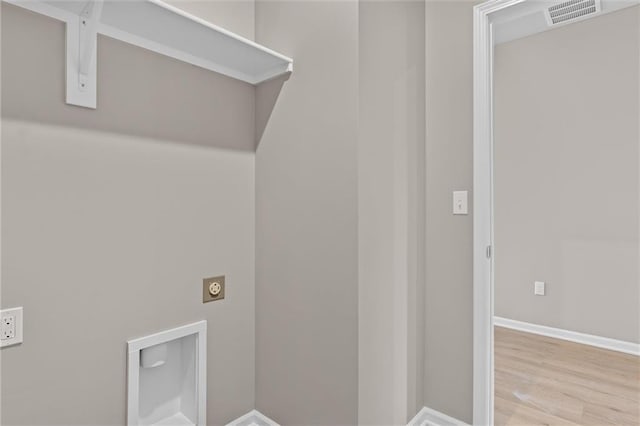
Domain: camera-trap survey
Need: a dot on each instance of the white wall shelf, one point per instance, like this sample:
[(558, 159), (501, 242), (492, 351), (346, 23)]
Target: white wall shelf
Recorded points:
[(156, 26)]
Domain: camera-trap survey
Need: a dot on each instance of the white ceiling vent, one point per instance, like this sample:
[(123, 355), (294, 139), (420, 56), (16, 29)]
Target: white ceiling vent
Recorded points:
[(571, 10)]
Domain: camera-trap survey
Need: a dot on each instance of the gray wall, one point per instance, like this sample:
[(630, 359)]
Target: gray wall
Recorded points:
[(566, 177), (111, 218), (449, 152), (391, 210), (306, 210)]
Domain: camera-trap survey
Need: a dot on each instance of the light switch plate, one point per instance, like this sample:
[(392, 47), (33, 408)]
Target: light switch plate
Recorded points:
[(10, 327), (538, 288), (460, 202), (213, 289)]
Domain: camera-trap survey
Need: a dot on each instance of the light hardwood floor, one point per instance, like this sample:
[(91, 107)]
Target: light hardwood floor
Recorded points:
[(545, 381)]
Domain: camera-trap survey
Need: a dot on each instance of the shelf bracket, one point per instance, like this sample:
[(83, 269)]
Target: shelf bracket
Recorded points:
[(82, 37)]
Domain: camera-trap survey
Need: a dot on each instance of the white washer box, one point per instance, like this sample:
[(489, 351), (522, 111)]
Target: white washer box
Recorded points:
[(167, 377)]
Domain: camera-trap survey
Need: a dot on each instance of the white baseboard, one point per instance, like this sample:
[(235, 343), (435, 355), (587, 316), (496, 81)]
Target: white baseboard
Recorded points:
[(572, 336), (253, 418), (426, 417), (431, 417)]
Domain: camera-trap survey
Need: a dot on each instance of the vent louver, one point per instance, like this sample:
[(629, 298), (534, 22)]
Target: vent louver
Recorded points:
[(571, 10)]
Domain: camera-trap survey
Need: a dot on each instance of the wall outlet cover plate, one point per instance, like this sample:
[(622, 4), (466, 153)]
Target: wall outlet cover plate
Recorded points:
[(11, 324), (213, 289), (460, 202)]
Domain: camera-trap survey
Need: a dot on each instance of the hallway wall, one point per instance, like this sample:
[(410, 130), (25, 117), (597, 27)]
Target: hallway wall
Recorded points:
[(566, 177)]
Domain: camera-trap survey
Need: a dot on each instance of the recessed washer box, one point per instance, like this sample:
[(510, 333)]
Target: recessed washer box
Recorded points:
[(166, 377)]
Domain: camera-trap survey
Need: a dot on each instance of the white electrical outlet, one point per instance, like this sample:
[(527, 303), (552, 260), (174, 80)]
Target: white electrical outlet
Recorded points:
[(538, 288), (10, 327)]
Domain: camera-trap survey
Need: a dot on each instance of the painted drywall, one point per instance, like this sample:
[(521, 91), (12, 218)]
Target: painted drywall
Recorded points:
[(391, 210), (449, 167), (566, 177), (307, 219), (111, 218), (194, 106)]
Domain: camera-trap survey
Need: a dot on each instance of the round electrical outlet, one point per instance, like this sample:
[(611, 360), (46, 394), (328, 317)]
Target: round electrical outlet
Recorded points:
[(215, 288)]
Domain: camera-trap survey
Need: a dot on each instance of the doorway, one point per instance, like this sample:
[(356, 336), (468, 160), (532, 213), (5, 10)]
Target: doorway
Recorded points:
[(556, 288)]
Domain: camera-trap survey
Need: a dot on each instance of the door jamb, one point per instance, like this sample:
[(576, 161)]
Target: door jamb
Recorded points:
[(483, 209)]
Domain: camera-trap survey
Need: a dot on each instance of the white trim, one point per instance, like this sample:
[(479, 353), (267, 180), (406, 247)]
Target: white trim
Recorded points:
[(571, 336), (482, 229), (133, 367), (483, 209), (253, 418), (430, 417), (135, 345)]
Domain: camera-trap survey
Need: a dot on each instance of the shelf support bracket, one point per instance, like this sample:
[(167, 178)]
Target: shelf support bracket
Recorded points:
[(82, 37)]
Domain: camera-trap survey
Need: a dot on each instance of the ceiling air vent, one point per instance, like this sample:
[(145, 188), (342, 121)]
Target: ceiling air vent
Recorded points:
[(571, 10)]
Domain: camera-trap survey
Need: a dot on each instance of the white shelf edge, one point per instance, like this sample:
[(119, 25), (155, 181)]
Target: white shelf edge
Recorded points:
[(219, 29), (147, 44), (87, 96)]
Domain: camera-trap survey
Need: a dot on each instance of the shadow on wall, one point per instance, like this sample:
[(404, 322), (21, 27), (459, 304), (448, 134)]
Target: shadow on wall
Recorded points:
[(266, 97), (140, 93)]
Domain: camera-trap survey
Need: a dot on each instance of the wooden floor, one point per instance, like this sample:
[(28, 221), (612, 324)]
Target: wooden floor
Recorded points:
[(545, 381)]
